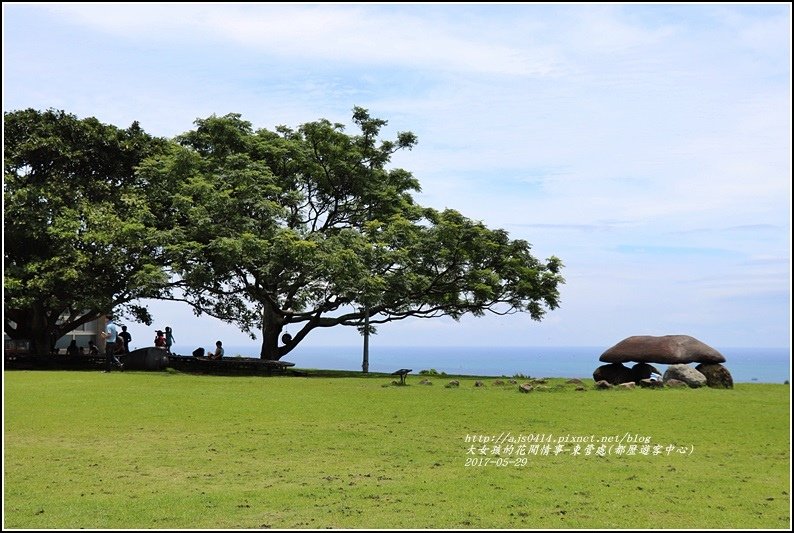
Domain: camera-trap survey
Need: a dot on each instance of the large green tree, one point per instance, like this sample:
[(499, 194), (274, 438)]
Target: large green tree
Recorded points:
[(308, 227), (80, 234)]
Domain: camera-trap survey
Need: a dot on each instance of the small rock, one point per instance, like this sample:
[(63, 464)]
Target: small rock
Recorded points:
[(651, 384)]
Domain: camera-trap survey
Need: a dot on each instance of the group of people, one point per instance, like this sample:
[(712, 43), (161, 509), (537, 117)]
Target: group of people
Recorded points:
[(117, 343), (211, 354), (164, 339), (73, 350)]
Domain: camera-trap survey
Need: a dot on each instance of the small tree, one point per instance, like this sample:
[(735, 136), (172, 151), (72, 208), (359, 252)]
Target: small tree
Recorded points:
[(79, 232), (308, 227)]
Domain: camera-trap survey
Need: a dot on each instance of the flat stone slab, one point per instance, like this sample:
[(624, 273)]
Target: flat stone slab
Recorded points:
[(667, 349)]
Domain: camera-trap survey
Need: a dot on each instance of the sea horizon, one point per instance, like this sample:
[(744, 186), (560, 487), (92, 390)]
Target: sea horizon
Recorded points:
[(746, 364)]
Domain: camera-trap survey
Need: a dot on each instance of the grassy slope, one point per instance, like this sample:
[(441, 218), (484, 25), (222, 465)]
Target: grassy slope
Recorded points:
[(165, 450)]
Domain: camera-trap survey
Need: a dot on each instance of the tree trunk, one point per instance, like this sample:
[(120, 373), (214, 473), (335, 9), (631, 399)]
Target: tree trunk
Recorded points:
[(272, 324), (41, 338), (41, 343)]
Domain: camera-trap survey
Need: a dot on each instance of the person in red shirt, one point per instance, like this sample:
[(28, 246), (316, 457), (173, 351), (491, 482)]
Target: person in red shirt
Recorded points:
[(159, 340)]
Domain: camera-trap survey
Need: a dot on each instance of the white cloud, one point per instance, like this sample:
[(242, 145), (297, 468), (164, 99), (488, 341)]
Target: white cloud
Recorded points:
[(607, 30), (342, 34)]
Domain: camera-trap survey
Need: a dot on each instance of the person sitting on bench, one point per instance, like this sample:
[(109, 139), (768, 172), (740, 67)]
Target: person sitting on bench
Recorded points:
[(218, 353)]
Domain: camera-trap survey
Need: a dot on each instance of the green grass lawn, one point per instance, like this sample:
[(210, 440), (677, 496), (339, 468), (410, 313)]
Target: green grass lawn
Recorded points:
[(169, 450)]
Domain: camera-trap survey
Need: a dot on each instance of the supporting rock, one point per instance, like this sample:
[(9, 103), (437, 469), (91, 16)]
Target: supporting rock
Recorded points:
[(614, 374), (685, 373), (717, 376)]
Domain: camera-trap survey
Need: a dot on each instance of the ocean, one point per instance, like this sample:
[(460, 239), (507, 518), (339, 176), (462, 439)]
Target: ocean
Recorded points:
[(746, 365)]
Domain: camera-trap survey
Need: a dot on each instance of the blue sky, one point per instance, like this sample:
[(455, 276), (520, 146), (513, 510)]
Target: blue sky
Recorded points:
[(647, 146)]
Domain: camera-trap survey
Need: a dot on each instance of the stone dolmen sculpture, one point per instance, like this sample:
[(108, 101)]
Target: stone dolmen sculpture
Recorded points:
[(674, 350)]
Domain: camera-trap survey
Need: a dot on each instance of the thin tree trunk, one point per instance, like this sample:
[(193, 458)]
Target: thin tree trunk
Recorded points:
[(365, 362)]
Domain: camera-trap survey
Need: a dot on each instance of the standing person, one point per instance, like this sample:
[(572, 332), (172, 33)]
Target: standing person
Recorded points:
[(126, 338), (218, 353), (169, 339), (110, 335)]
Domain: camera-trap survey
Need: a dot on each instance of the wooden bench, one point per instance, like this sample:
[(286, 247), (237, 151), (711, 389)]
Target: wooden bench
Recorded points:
[(402, 373)]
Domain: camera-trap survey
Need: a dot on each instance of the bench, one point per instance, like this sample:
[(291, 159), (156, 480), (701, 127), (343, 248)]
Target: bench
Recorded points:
[(402, 373)]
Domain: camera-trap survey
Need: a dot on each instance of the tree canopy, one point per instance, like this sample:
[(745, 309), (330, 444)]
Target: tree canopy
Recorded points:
[(80, 239), (264, 229), (309, 227)]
